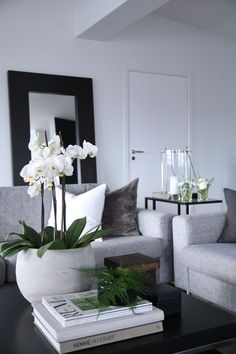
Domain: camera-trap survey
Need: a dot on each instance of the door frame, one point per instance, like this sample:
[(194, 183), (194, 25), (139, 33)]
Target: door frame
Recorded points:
[(126, 119)]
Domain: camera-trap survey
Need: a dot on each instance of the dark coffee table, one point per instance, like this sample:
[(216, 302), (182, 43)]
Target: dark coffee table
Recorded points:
[(200, 326)]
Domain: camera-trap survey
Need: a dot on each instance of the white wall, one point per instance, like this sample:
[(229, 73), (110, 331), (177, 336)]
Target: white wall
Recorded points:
[(38, 36)]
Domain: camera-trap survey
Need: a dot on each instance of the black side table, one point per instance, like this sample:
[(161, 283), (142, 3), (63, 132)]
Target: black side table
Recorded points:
[(179, 203)]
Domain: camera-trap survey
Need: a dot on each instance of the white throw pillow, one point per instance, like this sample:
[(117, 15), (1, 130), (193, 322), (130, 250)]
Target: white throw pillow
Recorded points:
[(89, 204)]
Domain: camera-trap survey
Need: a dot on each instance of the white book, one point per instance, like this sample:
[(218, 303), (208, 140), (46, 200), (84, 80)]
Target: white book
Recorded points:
[(100, 339), (79, 308), (61, 334)]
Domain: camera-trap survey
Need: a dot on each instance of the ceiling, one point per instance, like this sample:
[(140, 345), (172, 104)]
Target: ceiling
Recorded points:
[(216, 16), (110, 17)]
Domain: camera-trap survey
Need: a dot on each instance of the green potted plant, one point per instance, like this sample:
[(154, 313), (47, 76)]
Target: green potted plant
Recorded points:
[(46, 259), (117, 286)]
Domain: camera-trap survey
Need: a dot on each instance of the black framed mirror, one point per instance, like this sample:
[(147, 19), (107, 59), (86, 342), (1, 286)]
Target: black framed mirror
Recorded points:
[(20, 85)]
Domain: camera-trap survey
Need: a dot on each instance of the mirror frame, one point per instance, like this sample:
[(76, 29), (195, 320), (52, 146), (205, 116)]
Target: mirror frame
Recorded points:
[(19, 85)]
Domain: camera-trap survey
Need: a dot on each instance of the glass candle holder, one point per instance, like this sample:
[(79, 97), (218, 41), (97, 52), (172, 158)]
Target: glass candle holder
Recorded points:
[(175, 167)]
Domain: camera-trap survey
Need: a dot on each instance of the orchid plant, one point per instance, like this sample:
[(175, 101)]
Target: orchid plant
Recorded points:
[(52, 162)]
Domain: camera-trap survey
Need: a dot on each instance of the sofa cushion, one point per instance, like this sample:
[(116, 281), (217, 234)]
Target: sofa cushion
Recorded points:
[(229, 231), (89, 204), (120, 245), (120, 210), (215, 259)]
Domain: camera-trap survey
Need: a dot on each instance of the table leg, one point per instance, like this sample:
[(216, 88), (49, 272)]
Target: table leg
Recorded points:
[(187, 209), (154, 205), (179, 209), (146, 203)]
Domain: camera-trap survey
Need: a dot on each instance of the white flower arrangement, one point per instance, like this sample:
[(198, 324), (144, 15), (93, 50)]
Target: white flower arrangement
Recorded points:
[(50, 162), (203, 183), (185, 184)]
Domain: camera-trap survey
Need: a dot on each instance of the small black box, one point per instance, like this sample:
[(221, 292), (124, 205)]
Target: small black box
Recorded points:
[(164, 296)]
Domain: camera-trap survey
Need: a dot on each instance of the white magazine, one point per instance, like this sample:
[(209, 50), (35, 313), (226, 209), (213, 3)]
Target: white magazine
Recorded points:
[(79, 308)]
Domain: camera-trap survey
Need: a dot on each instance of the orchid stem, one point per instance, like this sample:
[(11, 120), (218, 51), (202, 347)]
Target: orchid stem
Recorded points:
[(46, 138), (42, 212), (55, 210), (63, 216)]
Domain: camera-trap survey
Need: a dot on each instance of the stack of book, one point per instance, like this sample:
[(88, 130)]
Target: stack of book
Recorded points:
[(74, 321)]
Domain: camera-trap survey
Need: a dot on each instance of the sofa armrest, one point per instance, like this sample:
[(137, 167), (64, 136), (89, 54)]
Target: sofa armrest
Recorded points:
[(195, 229), (155, 224), (189, 230)]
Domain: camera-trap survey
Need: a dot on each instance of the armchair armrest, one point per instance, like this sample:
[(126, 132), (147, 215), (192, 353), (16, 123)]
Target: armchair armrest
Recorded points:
[(155, 224), (195, 229), (189, 230)]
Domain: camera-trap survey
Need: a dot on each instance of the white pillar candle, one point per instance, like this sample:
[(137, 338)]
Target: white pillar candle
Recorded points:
[(174, 189)]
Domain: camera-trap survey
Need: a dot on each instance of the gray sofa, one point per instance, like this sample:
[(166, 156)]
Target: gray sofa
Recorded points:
[(155, 241), (203, 266)]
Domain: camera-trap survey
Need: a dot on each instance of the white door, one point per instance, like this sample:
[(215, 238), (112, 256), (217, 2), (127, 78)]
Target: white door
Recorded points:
[(158, 118)]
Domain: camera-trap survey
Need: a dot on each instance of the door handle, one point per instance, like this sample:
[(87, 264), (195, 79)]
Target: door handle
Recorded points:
[(137, 151)]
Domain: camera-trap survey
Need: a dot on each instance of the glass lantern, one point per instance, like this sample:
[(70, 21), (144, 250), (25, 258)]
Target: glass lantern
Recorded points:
[(176, 168)]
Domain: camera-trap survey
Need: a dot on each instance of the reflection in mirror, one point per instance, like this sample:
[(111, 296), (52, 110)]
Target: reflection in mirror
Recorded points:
[(52, 114)]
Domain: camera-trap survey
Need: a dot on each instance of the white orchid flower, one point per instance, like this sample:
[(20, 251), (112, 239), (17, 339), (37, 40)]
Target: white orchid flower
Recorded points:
[(34, 170), (34, 145), (26, 175), (63, 165), (203, 185), (68, 168), (75, 152), (51, 167), (38, 168), (53, 148), (34, 189), (90, 149)]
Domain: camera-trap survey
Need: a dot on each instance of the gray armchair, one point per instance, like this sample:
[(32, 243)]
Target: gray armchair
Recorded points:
[(203, 266)]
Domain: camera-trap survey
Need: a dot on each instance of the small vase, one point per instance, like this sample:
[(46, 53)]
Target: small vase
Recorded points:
[(203, 194), (57, 272), (186, 193)]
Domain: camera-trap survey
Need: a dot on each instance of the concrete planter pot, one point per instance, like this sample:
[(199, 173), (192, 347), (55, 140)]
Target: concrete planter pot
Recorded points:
[(55, 273)]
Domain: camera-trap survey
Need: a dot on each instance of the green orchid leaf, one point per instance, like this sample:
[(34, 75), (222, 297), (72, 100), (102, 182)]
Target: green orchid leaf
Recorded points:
[(15, 234), (4, 246), (91, 236), (11, 252), (8, 247), (74, 231), (48, 234), (53, 245), (31, 234)]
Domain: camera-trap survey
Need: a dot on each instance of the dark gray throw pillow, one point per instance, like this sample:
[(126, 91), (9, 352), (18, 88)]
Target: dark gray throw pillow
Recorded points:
[(120, 210), (229, 231)]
